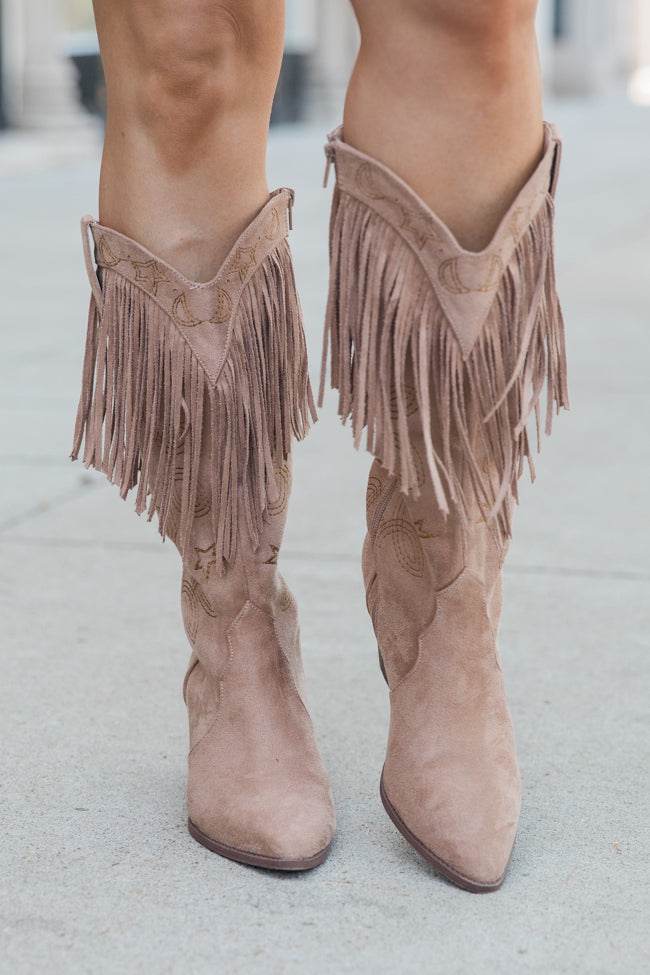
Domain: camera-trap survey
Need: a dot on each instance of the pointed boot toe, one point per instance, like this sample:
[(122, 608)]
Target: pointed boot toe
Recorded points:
[(451, 782), (440, 356), (257, 788), (291, 832), (193, 393), (466, 847)]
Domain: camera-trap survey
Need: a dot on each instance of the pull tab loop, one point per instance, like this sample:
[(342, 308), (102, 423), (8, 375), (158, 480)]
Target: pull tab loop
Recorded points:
[(329, 153), (90, 264)]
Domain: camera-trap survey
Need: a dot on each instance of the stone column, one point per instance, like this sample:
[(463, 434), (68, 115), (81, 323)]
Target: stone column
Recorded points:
[(333, 59), (41, 81), (639, 84), (544, 27), (588, 50)]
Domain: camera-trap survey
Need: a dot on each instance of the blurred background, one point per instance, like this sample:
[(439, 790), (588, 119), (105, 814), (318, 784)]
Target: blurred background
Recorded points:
[(49, 57), (98, 871)]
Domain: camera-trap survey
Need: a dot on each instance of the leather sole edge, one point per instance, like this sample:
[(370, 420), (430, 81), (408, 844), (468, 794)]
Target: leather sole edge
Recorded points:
[(466, 883), (256, 859)]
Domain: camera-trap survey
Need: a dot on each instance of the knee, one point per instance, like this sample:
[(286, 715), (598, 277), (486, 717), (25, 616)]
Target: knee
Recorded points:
[(491, 38), (474, 20), (190, 59), (197, 61), (491, 35)]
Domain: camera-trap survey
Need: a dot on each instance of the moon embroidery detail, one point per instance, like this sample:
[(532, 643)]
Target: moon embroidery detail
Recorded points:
[(466, 273), (222, 312), (105, 255), (367, 184), (182, 314)]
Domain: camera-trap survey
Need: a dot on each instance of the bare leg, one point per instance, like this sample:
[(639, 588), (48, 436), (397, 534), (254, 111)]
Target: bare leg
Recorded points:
[(194, 394), (190, 88), (447, 93), (436, 353)]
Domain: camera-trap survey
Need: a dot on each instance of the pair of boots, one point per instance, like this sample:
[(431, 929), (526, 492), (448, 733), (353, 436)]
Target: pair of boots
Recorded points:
[(193, 393)]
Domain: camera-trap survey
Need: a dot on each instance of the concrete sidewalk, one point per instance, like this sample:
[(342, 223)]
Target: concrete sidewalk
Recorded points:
[(98, 872)]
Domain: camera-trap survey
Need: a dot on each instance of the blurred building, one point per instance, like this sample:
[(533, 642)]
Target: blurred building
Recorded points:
[(38, 87), (588, 46)]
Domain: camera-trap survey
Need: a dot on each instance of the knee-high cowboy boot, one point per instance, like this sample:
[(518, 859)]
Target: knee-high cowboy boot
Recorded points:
[(193, 393), (441, 355)]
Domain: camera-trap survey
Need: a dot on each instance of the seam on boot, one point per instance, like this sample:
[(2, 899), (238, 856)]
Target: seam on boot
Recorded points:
[(281, 649), (277, 636), (231, 653), (439, 592), (189, 673)]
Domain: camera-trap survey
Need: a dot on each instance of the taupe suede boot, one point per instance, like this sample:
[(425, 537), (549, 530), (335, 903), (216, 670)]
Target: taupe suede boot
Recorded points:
[(441, 355), (193, 392)]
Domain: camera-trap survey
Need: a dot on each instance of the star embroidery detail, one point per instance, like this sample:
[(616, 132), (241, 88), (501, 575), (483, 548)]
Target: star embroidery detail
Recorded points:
[(244, 261), (205, 559), (274, 229), (274, 557), (149, 273), (420, 227)]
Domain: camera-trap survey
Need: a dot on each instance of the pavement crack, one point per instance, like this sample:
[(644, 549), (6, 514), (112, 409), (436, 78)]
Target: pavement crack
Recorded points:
[(289, 556), (44, 507), (633, 575)]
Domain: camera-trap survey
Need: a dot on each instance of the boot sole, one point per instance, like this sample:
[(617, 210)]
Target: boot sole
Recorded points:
[(256, 859), (474, 886)]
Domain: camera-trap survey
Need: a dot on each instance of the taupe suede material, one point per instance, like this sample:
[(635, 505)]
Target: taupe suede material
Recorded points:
[(256, 780), (192, 393), (163, 352), (441, 355), (461, 797), (481, 334), (434, 593)]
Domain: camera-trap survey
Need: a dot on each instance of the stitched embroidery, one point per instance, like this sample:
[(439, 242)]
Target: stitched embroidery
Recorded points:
[(466, 273), (283, 483), (105, 255), (373, 492), (367, 182), (206, 558), (274, 226), (149, 273), (274, 557), (244, 261), (194, 603), (182, 314)]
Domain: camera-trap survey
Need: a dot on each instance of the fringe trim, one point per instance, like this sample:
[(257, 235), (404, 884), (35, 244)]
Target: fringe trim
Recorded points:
[(393, 352), (149, 413)]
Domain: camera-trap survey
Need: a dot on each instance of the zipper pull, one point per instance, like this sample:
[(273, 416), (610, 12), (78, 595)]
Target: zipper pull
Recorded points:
[(330, 152)]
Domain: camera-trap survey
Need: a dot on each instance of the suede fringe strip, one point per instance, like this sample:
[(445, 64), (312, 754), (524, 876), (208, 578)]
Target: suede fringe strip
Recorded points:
[(149, 411), (393, 351)]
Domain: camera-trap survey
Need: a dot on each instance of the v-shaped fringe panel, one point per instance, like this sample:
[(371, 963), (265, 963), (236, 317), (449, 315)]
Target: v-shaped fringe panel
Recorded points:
[(175, 372), (417, 324)]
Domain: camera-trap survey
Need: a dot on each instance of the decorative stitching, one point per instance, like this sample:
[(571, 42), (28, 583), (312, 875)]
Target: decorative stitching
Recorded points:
[(206, 559), (283, 480), (196, 602)]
